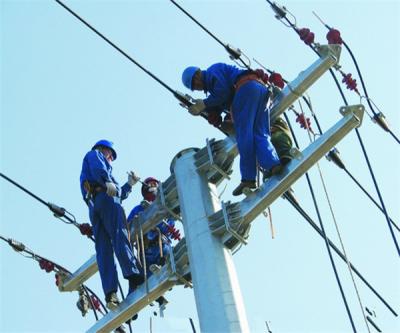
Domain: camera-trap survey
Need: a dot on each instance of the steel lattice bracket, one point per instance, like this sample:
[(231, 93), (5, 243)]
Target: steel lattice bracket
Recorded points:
[(232, 222), (215, 160), (228, 224)]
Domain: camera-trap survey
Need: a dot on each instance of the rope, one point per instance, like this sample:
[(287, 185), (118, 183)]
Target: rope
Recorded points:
[(301, 211), (342, 244), (325, 236), (336, 225)]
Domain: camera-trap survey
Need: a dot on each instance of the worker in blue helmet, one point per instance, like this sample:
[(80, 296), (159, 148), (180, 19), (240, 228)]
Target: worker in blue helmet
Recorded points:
[(103, 196), (245, 94)]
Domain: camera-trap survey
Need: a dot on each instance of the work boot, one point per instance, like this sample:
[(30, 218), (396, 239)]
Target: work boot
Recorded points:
[(275, 170), (112, 300), (135, 280), (250, 184)]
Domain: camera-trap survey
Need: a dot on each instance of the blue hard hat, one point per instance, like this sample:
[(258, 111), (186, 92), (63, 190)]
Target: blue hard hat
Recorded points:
[(107, 144), (187, 76)]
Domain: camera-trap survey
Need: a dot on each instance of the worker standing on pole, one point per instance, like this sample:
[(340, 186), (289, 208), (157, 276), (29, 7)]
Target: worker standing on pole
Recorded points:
[(158, 241), (245, 94), (103, 196)]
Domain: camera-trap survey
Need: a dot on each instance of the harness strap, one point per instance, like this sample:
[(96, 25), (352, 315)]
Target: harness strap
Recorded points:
[(246, 78)]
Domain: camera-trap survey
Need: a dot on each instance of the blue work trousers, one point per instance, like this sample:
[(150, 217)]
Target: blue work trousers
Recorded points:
[(109, 230), (252, 126)]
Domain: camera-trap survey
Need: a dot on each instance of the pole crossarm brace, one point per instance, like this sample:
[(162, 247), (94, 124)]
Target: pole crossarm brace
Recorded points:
[(329, 56), (158, 284), (234, 219), (75, 280), (216, 158), (89, 268)]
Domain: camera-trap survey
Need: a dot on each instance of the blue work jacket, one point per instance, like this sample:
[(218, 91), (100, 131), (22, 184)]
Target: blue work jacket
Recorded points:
[(219, 80), (152, 234), (98, 171)]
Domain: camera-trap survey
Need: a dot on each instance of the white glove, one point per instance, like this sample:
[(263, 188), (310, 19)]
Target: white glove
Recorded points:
[(197, 107), (111, 189), (132, 178)]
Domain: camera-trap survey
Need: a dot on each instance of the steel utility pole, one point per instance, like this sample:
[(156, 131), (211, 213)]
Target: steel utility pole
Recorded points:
[(216, 287)]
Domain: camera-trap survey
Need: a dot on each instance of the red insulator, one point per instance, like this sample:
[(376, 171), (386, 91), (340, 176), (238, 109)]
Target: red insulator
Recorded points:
[(350, 82), (175, 234), (262, 75), (306, 36), (333, 37), (96, 302), (304, 122), (48, 266), (86, 229), (277, 80)]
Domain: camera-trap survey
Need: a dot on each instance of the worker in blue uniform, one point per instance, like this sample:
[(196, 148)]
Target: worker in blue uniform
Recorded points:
[(103, 196), (158, 241), (244, 93)]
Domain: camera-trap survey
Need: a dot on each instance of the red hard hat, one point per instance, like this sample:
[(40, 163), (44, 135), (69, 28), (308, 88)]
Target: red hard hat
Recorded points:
[(149, 196)]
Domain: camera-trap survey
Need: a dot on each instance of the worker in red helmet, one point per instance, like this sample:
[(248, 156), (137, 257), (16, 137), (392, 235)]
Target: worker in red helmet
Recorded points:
[(163, 233), (158, 241)]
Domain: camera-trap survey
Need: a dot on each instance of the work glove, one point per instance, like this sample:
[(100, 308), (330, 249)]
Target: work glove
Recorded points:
[(111, 189), (197, 107), (132, 178), (214, 118)]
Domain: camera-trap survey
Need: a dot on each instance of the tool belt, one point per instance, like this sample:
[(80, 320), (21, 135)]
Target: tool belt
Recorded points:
[(246, 78), (92, 190)]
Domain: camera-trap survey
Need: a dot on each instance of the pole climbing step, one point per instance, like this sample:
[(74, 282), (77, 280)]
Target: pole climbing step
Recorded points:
[(232, 222)]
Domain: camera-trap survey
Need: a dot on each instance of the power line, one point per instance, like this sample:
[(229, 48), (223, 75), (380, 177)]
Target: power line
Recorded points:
[(281, 14)]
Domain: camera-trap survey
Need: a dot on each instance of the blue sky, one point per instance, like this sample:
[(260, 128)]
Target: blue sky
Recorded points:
[(63, 88)]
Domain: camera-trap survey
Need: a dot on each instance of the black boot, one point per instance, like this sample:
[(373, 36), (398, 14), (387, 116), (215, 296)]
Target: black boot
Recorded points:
[(112, 300), (244, 184), (135, 280)]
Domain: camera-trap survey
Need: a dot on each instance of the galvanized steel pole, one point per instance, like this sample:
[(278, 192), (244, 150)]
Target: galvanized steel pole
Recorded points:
[(216, 287)]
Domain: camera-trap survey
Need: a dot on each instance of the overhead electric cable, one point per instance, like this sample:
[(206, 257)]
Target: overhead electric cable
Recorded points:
[(314, 225), (377, 116), (20, 247), (185, 100), (60, 213), (322, 228), (281, 14), (296, 205), (233, 52), (337, 226)]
